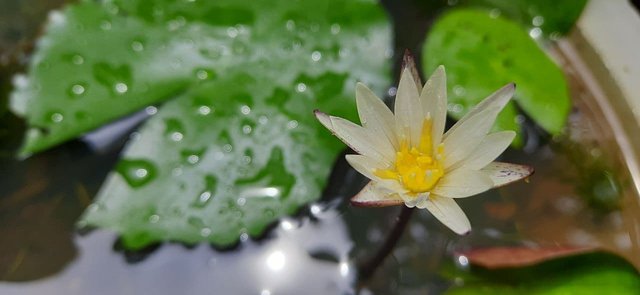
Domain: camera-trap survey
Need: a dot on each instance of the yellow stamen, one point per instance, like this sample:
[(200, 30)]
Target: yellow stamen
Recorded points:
[(417, 168)]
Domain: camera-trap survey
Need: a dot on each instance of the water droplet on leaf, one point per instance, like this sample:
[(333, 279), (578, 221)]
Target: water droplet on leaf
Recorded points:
[(316, 56), (105, 25), (335, 29), (292, 124), (116, 78), (77, 59), (232, 32), (136, 172), (154, 218), (174, 129), (56, 117), (301, 87), (537, 20), (272, 187), (245, 109), (121, 88), (204, 110), (263, 120), (211, 183), (205, 74), (290, 25), (192, 156), (137, 46), (151, 110), (77, 90), (535, 33), (205, 232)]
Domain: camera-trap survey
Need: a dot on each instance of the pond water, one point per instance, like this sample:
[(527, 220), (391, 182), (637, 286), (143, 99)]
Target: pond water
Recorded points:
[(582, 194)]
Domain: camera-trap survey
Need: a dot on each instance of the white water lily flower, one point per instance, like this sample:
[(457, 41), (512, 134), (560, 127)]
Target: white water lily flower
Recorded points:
[(409, 158)]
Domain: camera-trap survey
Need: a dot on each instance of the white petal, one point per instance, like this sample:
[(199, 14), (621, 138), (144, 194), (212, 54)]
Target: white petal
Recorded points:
[(357, 138), (365, 165), (373, 195), (462, 183), (361, 141), (412, 200), (375, 115), (434, 102), (488, 150), (408, 109), (391, 185), (505, 173), (324, 119), (423, 200), (497, 99), (448, 212), (408, 200), (459, 143)]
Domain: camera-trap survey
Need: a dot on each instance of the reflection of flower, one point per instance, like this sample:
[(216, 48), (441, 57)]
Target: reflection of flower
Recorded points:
[(410, 159)]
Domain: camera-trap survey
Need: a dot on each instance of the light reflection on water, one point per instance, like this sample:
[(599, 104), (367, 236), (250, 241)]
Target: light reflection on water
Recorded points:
[(278, 265)]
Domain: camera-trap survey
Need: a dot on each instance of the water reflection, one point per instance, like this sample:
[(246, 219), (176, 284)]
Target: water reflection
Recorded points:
[(279, 265)]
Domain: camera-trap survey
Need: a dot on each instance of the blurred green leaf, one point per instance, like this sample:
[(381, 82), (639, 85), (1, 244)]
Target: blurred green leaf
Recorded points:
[(552, 17), (482, 53), (237, 147), (593, 273)]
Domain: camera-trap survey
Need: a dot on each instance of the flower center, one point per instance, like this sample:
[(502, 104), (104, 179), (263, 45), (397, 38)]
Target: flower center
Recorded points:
[(418, 169)]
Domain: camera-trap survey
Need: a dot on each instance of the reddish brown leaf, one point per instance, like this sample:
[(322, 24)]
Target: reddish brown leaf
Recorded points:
[(508, 257)]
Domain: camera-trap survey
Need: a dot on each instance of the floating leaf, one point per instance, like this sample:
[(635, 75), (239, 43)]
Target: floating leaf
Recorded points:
[(240, 147), (506, 257), (551, 17), (87, 71), (482, 53), (100, 61), (590, 273)]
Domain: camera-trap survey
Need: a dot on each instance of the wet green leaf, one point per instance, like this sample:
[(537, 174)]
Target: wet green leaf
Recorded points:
[(482, 53), (238, 147), (239, 159), (593, 273), (93, 66), (100, 61)]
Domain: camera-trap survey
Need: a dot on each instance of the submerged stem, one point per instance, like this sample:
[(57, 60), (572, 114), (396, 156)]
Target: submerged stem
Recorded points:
[(369, 267)]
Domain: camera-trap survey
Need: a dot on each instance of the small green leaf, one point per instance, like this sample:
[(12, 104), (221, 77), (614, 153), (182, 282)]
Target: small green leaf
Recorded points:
[(483, 53), (593, 273), (241, 148), (552, 17)]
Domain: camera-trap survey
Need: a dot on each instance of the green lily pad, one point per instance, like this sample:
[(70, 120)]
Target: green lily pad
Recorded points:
[(99, 61), (221, 161), (482, 53), (551, 17), (92, 67), (592, 273), (240, 147)]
